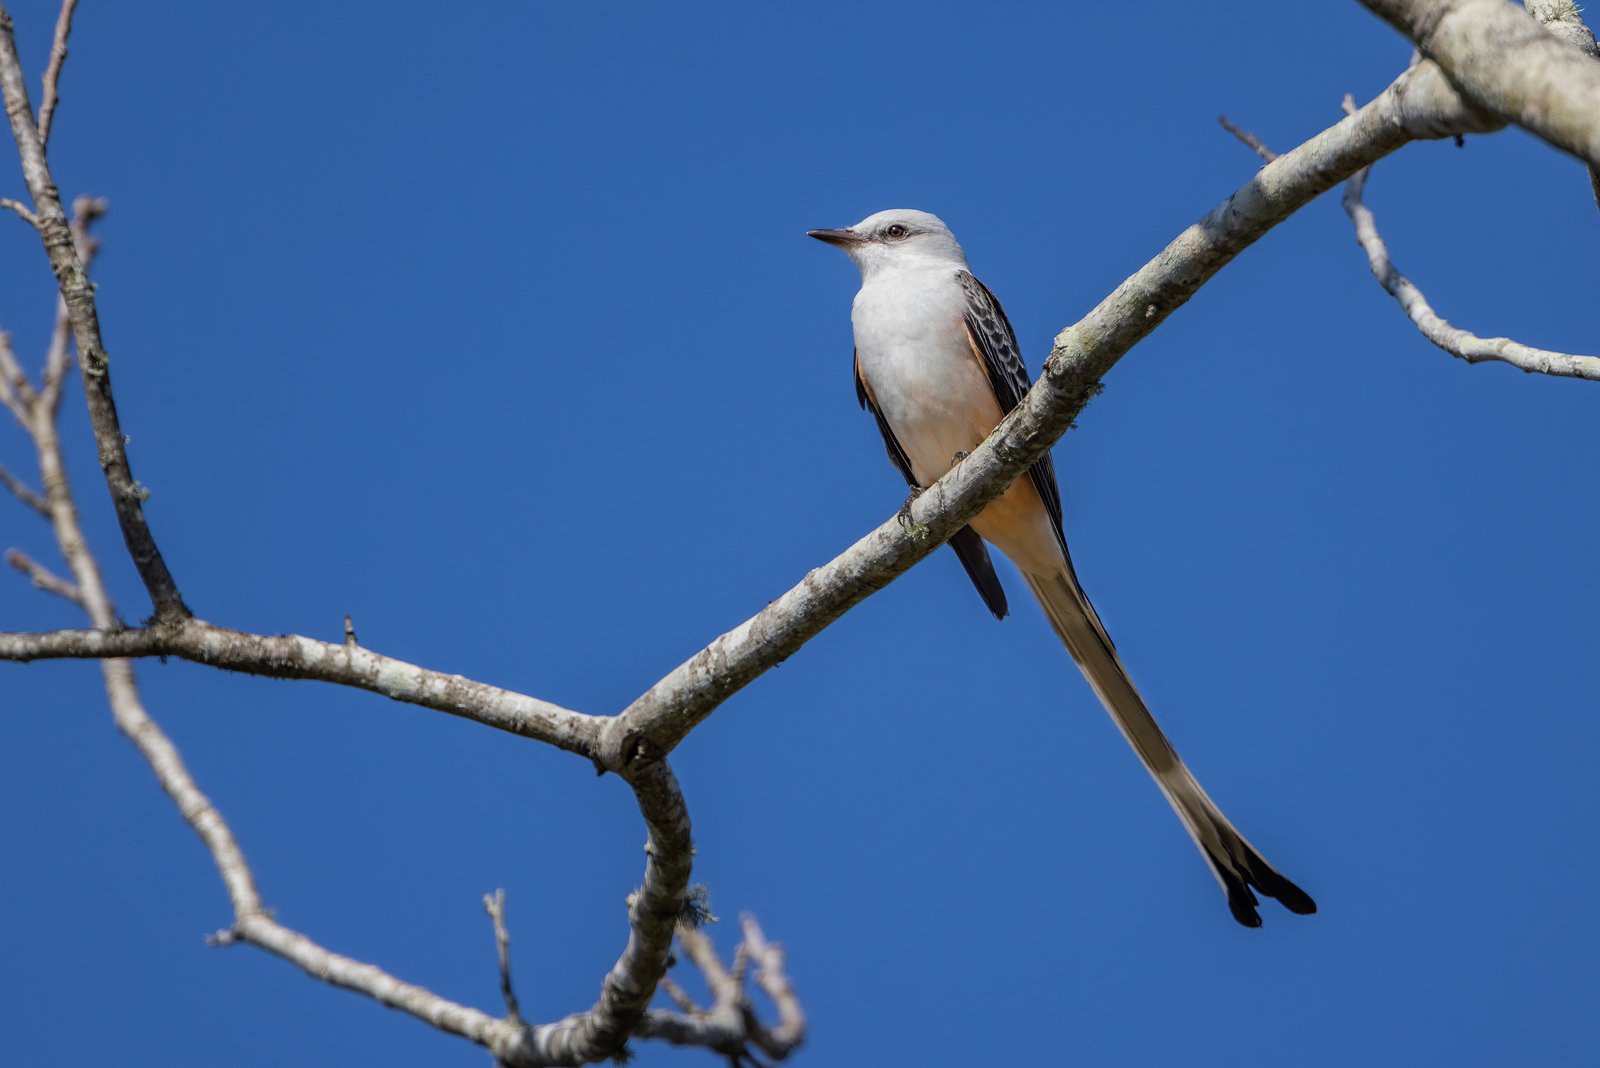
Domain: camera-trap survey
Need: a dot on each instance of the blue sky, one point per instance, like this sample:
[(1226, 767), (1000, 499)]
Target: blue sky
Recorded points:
[(499, 330)]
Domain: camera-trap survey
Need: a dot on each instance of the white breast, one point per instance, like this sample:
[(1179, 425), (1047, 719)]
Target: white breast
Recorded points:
[(920, 367)]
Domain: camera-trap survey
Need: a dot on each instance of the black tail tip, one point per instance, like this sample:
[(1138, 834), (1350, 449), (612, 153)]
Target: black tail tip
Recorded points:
[(1288, 895), (1242, 902), (1243, 906)]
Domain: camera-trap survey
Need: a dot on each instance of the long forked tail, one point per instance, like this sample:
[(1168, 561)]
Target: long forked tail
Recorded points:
[(1234, 861)]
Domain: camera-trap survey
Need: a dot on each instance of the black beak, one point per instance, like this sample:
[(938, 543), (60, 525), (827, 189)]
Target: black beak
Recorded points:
[(836, 237)]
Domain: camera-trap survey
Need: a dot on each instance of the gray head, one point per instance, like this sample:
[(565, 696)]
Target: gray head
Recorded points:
[(897, 239)]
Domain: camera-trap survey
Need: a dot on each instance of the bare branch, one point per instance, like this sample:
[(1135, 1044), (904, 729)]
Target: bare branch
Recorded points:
[(16, 394), (58, 357), (261, 930), (774, 982), (730, 1026), (292, 656), (21, 209), (1562, 18), (11, 483), (653, 912), (1502, 60), (1250, 140), (677, 995), (43, 577), (696, 945), (1457, 342), (121, 692), (495, 905), (252, 922), (56, 234), (52, 71)]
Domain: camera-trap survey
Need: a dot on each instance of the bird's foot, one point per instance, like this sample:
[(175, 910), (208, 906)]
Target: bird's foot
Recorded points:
[(912, 527)]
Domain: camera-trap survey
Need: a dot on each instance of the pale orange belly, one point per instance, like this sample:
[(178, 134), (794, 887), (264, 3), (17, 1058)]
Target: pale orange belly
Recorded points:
[(1017, 522)]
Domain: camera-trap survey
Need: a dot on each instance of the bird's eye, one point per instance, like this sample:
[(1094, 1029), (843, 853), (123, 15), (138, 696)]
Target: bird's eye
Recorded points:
[(895, 232)]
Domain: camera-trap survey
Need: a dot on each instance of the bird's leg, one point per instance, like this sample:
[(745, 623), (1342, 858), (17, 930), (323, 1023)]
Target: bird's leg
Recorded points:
[(912, 527)]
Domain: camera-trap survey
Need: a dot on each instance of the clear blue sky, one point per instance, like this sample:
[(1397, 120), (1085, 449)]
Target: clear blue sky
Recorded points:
[(499, 330)]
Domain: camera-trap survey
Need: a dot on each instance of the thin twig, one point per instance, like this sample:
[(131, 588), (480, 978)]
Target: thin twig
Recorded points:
[(22, 493), (21, 209), (696, 945), (677, 995), (16, 393), (1251, 140), (43, 577), (1457, 342), (773, 979), (57, 358), (52, 71), (495, 905), (730, 1026)]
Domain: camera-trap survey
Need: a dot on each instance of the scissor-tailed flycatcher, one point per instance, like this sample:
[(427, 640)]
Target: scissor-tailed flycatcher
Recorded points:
[(937, 363)]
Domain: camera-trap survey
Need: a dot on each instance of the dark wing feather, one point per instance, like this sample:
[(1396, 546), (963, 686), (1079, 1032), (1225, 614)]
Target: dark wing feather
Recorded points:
[(974, 556), (897, 455), (969, 548), (994, 340)]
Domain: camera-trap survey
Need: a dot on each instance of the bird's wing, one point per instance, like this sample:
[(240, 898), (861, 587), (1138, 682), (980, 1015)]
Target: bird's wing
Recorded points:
[(974, 555), (994, 344)]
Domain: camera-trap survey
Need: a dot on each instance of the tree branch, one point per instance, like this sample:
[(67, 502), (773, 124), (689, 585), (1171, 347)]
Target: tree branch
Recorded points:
[(58, 357), (1503, 61), (23, 493), (1248, 139), (578, 1039), (78, 293), (1455, 341), (293, 656), (495, 905), (774, 982), (654, 910), (52, 71), (21, 209), (1562, 18), (16, 393), (42, 577), (730, 1026)]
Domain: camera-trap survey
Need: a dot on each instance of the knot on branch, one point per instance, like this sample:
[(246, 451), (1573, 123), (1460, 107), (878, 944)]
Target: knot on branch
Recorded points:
[(624, 751)]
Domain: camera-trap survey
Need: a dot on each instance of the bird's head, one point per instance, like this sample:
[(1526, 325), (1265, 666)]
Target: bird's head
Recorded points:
[(896, 239)]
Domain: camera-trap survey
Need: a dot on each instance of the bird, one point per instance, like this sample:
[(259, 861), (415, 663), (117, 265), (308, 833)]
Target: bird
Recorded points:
[(937, 365)]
